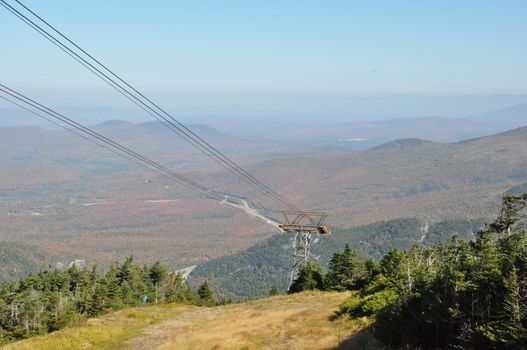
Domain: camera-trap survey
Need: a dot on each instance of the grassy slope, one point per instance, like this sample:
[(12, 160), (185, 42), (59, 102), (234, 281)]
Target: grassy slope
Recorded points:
[(107, 332), (301, 321)]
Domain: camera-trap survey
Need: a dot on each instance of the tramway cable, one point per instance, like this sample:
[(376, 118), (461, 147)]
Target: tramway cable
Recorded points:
[(115, 145), (110, 83), (302, 223), (100, 144), (149, 106)]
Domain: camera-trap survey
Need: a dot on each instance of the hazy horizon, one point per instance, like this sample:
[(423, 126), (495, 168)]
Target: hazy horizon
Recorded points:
[(331, 109), (348, 60)]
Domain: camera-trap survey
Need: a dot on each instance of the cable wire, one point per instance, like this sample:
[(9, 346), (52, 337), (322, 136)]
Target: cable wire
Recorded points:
[(145, 103), (90, 134)]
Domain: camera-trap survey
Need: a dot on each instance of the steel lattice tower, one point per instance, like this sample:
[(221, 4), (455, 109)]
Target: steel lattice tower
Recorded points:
[(303, 224)]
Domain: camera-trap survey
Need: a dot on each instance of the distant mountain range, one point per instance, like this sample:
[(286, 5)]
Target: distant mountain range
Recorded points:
[(279, 110), (12, 116), (366, 134), (69, 198), (335, 129), (149, 138), (510, 117)]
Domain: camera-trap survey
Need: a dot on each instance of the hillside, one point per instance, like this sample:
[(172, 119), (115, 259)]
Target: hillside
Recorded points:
[(18, 259), (509, 117), (299, 321), (363, 135), (102, 209), (405, 178), (26, 143), (250, 273), (403, 299)]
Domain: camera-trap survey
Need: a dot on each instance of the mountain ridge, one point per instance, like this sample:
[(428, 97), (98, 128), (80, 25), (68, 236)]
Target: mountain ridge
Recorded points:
[(100, 207)]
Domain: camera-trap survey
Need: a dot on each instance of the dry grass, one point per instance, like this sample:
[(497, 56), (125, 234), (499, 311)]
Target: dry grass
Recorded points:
[(108, 332), (300, 321), (284, 322)]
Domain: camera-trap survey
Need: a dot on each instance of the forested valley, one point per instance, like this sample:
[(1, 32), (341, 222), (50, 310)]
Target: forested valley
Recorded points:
[(249, 273), (466, 294)]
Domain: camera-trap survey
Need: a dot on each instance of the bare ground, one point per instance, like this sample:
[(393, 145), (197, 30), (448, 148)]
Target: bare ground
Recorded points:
[(300, 321)]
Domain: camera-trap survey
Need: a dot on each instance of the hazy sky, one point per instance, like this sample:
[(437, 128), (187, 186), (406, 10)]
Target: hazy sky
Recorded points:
[(197, 51)]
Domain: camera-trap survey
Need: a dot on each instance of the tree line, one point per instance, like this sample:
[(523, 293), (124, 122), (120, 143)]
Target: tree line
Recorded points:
[(460, 295), (50, 300), (248, 274)]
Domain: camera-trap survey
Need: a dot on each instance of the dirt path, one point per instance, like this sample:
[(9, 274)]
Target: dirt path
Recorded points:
[(290, 322), (285, 322), (156, 335)]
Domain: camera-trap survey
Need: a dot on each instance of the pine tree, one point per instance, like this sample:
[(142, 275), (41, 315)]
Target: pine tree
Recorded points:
[(206, 294), (335, 271), (311, 277), (348, 271), (157, 273), (512, 302), (98, 301), (51, 300), (112, 288)]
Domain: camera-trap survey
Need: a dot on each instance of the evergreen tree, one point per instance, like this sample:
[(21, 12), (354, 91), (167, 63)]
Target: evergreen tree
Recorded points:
[(463, 295), (112, 288), (311, 277), (206, 294), (335, 272), (157, 273), (98, 301), (348, 271), (50, 300)]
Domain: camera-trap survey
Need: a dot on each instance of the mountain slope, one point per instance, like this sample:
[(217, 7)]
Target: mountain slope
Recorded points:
[(102, 209), (18, 259), (151, 138), (512, 116), (300, 321), (404, 178), (250, 273)]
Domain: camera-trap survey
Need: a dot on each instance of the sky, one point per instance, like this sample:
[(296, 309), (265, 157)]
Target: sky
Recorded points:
[(260, 53)]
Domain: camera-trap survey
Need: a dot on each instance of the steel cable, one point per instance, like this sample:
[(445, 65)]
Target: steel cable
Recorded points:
[(149, 106)]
